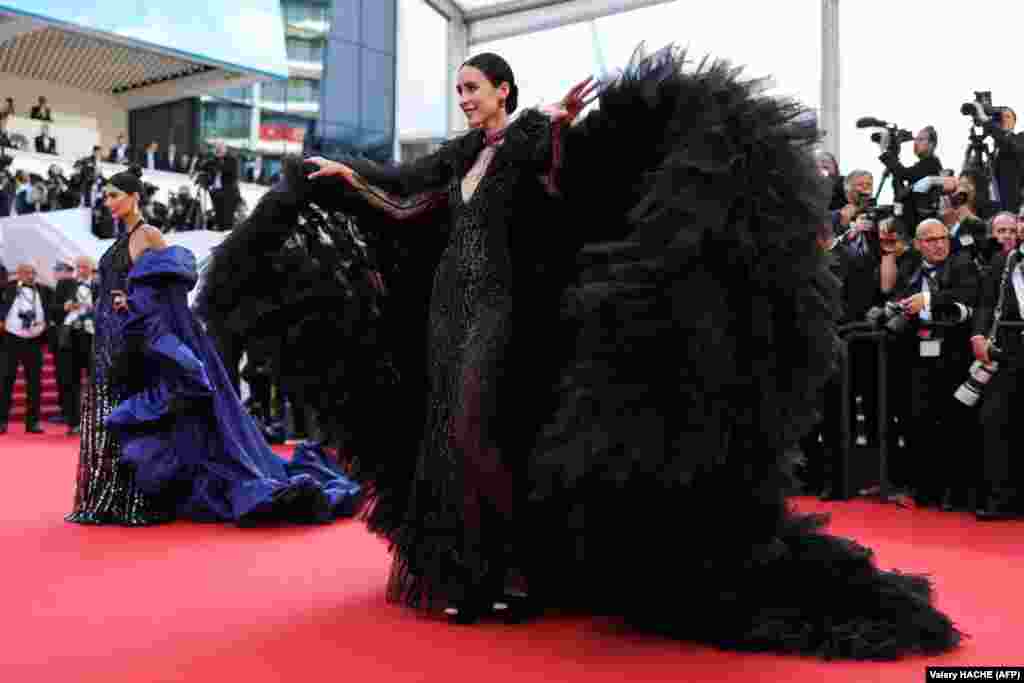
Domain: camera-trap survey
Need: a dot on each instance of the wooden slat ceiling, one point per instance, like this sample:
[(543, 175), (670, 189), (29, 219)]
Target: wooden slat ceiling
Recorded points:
[(89, 63)]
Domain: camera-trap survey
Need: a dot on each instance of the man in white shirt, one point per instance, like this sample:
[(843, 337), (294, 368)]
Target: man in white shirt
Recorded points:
[(150, 160), (23, 308)]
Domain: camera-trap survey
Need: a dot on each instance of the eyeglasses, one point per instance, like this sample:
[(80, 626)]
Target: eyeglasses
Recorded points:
[(933, 240)]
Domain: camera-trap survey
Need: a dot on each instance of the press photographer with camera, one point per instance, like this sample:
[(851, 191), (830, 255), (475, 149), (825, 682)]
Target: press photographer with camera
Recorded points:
[(935, 297), (1008, 158), (1004, 231), (219, 175), (925, 142), (24, 305), (72, 311), (995, 381)]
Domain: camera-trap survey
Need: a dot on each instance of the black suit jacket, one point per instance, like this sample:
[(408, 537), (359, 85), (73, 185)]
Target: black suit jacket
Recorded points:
[(67, 290), (229, 173), (1009, 165), (989, 296), (958, 284), (11, 290), (40, 114), (44, 148)]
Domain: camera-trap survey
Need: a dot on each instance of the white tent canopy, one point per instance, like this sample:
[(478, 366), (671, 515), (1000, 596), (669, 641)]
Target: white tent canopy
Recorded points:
[(471, 22)]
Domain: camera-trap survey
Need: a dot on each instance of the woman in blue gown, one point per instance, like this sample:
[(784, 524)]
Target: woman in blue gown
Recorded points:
[(164, 434)]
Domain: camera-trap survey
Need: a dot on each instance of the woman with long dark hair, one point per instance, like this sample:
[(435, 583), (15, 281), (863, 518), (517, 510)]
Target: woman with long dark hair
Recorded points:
[(164, 434)]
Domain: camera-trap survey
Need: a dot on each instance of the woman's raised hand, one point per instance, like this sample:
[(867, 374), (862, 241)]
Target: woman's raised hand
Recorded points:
[(326, 167), (579, 96)]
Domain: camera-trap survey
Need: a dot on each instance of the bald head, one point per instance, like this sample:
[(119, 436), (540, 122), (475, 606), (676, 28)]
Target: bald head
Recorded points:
[(930, 226), (932, 240), (26, 273)]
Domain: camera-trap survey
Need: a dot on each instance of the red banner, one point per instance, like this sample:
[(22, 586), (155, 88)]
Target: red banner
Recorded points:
[(280, 132)]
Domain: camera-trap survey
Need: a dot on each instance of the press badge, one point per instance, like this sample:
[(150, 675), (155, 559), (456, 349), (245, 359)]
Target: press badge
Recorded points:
[(966, 240), (931, 348)]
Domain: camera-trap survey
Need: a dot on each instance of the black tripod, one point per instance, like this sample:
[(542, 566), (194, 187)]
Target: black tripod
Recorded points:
[(197, 213)]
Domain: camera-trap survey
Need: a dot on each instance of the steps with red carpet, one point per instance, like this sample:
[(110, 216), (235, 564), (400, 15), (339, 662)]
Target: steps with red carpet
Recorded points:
[(49, 404)]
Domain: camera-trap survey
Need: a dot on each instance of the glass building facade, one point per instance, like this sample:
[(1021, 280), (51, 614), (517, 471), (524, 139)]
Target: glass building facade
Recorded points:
[(361, 73)]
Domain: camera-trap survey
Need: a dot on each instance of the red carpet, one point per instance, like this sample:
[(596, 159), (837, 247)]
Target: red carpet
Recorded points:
[(49, 404), (188, 602)]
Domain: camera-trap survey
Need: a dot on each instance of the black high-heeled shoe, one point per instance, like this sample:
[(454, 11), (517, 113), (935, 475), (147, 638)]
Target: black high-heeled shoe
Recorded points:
[(518, 608)]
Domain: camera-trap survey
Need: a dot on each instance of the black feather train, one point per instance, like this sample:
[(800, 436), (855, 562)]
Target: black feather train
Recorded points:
[(697, 331), (703, 339)]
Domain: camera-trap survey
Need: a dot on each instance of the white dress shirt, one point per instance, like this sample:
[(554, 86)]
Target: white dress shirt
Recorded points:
[(26, 299)]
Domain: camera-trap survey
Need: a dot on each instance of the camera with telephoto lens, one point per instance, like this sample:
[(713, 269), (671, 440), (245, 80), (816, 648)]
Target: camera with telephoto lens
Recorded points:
[(978, 377), (890, 317), (28, 318)]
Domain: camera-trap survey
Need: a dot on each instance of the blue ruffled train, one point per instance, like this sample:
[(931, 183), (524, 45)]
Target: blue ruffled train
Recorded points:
[(182, 427)]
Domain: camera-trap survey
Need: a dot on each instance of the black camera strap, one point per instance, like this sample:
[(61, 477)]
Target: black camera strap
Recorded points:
[(1011, 263)]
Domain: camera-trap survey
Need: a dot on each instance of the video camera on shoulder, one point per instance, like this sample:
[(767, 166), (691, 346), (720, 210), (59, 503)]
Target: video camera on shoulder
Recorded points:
[(891, 135), (983, 98)]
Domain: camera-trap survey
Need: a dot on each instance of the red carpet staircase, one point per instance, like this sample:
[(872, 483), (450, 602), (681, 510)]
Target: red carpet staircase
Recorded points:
[(49, 404)]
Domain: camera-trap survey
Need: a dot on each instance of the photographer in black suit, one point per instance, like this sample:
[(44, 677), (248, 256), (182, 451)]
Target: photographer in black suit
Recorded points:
[(223, 172), (72, 311), (1008, 159), (45, 143), (937, 293), (1002, 292), (24, 305)]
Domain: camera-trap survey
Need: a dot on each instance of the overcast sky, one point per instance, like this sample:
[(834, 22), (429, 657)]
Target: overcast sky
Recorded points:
[(907, 61)]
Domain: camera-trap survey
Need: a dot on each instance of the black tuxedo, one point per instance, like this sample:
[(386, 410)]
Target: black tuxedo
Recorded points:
[(1008, 166), (41, 113), (73, 353), (26, 352), (225, 199), (913, 204), (46, 146), (1002, 399), (942, 430)]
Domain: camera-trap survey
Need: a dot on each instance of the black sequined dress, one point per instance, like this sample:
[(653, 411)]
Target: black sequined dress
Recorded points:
[(105, 491)]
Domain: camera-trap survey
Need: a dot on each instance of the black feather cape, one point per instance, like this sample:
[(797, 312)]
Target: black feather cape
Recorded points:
[(696, 331)]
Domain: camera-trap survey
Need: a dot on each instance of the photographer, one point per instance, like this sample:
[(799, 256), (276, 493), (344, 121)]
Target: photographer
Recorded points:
[(936, 295), (1002, 291), (1004, 231), (73, 308), (998, 123), (24, 305), (180, 207), (925, 142), (222, 177)]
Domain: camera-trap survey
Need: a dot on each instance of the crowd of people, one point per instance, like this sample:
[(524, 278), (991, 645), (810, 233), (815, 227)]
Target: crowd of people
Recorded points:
[(211, 199), (932, 279)]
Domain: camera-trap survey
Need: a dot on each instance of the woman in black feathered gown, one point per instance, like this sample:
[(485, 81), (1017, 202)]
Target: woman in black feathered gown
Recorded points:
[(629, 321)]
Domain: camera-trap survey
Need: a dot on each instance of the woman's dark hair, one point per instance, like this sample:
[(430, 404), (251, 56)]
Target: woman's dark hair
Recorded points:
[(497, 71), (128, 181)]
